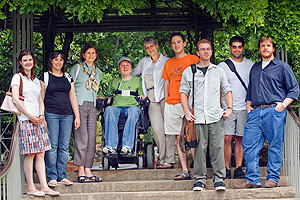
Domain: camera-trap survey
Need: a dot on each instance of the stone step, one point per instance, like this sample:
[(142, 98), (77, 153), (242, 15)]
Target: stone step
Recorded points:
[(261, 193), (142, 185), (143, 174)]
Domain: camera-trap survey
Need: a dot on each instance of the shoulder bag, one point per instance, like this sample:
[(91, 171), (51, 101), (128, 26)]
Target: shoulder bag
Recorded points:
[(188, 134), (8, 104)]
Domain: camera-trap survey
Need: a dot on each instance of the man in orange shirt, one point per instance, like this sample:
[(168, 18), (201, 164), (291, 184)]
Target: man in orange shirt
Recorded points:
[(173, 113)]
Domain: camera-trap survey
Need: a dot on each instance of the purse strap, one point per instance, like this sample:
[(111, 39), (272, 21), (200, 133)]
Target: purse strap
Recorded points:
[(20, 87)]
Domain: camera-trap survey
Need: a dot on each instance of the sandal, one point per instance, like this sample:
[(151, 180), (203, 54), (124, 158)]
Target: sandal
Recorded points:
[(65, 182), (52, 183), (81, 179), (164, 167), (93, 179), (183, 176)]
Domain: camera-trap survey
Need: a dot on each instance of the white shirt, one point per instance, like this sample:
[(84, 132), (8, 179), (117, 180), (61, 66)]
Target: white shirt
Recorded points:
[(31, 92), (143, 66), (238, 91)]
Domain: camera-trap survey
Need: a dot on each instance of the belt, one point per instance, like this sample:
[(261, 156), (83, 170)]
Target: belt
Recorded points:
[(150, 89), (266, 106)]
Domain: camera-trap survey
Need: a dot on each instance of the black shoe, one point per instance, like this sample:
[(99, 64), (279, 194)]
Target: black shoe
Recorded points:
[(239, 173), (199, 186), (228, 174), (220, 186)]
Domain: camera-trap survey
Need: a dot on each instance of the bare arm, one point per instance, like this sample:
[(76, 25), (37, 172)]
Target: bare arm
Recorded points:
[(185, 105), (43, 89), (41, 110), (166, 89), (74, 105), (228, 100)]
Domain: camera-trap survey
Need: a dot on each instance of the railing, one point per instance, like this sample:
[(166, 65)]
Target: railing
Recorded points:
[(11, 183), (291, 150)]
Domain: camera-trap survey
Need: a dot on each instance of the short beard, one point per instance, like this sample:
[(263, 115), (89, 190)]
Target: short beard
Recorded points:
[(236, 56)]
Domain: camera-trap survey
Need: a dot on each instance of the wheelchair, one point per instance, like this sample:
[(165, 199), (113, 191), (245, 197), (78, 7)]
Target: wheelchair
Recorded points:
[(143, 153)]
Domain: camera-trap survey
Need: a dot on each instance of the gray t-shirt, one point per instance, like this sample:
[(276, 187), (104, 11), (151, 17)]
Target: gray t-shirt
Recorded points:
[(238, 91)]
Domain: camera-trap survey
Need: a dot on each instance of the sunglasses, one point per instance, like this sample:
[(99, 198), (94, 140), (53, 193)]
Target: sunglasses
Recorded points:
[(237, 47)]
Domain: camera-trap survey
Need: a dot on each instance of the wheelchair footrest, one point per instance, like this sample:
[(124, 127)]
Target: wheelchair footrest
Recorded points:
[(111, 155), (127, 155)]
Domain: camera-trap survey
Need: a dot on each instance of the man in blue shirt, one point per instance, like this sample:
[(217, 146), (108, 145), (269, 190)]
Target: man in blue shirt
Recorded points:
[(272, 87)]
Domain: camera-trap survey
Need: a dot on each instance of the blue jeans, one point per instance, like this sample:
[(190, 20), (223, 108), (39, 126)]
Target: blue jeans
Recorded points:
[(262, 124), (59, 127), (111, 119)]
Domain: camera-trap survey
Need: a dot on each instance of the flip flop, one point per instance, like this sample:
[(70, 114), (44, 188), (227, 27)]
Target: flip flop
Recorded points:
[(65, 182), (52, 183), (93, 179)]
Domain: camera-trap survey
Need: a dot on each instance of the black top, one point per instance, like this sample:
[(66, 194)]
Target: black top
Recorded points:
[(57, 99), (203, 69)]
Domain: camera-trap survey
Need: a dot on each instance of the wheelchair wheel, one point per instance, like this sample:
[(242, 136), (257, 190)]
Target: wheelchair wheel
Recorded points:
[(150, 156), (140, 162), (105, 163)]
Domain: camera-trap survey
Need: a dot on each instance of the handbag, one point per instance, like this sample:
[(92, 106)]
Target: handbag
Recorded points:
[(188, 134), (8, 104)]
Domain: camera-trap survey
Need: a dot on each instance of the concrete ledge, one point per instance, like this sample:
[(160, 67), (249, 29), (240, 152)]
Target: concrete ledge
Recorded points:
[(143, 174), (262, 193), (151, 185)]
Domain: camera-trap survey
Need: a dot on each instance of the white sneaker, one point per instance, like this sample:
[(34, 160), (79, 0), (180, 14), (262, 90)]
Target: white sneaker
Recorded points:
[(199, 186), (220, 186)]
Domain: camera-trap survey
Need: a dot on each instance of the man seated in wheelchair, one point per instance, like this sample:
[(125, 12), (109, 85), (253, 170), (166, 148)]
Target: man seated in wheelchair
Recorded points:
[(125, 89)]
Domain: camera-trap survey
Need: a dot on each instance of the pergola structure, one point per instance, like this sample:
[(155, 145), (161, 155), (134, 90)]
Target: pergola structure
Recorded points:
[(148, 19)]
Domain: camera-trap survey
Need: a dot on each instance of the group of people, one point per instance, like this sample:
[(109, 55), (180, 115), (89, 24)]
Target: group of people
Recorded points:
[(53, 104), (237, 99)]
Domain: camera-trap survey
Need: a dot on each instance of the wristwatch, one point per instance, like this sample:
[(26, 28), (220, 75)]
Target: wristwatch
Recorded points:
[(284, 105), (229, 108)]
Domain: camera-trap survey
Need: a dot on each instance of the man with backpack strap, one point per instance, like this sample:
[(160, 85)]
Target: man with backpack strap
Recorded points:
[(237, 70), (209, 116)]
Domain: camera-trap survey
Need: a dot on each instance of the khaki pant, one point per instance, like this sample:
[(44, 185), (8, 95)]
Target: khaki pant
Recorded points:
[(85, 136), (156, 115), (211, 135)]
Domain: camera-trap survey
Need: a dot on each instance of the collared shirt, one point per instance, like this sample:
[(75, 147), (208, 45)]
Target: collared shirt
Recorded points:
[(273, 83), (207, 92), (143, 65), (82, 93)]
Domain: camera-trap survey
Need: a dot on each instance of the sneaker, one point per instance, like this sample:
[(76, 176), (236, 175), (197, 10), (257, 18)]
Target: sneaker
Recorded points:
[(199, 186), (109, 150), (228, 174), (126, 149), (220, 186), (239, 173)]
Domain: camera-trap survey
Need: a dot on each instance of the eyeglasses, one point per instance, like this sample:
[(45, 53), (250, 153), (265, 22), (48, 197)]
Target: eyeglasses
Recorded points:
[(237, 47), (205, 49)]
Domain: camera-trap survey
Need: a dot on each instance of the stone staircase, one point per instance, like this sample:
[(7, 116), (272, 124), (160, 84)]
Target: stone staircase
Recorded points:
[(156, 184)]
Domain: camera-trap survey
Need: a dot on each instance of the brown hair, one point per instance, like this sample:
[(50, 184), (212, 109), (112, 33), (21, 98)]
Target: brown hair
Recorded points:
[(266, 38), (54, 55), (26, 52), (85, 48), (201, 42)]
